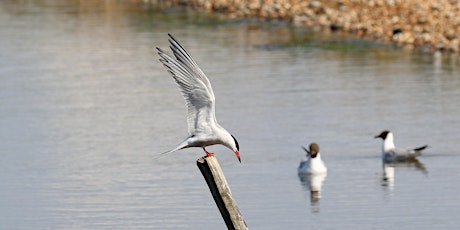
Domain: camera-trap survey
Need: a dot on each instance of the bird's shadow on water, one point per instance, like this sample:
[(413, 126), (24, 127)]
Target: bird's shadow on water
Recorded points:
[(388, 176), (313, 183)]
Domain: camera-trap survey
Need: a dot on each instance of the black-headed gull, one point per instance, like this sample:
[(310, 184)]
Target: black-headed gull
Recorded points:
[(196, 89), (391, 153), (312, 163)]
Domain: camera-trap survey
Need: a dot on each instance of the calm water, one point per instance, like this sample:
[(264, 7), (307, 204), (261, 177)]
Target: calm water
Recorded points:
[(85, 106)]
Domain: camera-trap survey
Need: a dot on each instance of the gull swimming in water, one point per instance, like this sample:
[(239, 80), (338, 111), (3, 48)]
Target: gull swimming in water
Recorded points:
[(196, 89), (312, 163), (312, 173), (392, 154)]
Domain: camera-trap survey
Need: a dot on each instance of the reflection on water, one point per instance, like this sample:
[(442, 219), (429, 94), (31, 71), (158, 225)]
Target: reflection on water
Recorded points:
[(314, 184), (388, 177)]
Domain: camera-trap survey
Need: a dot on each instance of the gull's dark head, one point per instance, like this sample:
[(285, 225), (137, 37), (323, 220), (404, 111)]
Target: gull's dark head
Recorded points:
[(314, 150), (383, 134)]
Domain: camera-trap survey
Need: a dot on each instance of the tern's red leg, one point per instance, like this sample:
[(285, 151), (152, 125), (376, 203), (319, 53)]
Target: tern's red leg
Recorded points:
[(208, 153)]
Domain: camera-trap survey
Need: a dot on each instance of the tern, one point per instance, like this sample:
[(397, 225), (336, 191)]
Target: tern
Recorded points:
[(196, 89), (312, 164), (392, 154)]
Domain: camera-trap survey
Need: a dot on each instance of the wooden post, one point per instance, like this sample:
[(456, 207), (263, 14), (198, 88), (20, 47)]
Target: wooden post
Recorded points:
[(212, 173)]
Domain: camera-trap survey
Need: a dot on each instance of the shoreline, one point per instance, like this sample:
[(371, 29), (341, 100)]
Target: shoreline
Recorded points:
[(412, 24)]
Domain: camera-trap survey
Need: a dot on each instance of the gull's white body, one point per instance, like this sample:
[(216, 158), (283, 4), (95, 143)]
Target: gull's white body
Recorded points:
[(391, 154), (310, 165), (196, 89)]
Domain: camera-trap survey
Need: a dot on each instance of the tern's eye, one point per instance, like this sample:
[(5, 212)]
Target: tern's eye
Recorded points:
[(236, 143)]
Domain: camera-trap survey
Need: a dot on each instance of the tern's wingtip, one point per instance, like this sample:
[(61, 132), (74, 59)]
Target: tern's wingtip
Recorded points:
[(172, 37)]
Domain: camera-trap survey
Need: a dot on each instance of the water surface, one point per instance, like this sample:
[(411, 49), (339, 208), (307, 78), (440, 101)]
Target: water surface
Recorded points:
[(85, 106)]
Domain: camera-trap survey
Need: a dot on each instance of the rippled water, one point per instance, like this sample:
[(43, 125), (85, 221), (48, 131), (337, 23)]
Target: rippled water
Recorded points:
[(85, 107)]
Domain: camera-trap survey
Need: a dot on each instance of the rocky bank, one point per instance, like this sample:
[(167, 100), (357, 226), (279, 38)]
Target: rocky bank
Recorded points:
[(434, 25)]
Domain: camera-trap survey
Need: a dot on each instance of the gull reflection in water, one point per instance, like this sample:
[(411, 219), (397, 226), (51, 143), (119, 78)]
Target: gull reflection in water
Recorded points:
[(314, 184), (388, 177)]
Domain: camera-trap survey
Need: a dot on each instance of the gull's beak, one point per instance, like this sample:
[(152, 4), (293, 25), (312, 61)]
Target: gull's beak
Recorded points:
[(238, 155), (306, 150)]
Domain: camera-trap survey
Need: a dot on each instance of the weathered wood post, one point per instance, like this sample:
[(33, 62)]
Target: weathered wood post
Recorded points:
[(212, 173)]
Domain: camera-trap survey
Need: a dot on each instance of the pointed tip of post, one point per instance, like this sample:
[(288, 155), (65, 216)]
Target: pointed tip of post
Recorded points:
[(204, 158), (201, 160)]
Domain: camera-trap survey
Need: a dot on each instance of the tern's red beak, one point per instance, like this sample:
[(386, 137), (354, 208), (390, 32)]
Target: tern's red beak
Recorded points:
[(238, 155)]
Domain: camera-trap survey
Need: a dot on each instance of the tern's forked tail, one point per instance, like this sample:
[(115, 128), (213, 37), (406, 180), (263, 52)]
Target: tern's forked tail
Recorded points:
[(179, 147)]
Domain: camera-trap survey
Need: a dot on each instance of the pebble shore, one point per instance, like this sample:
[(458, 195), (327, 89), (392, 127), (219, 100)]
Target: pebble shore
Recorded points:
[(432, 25)]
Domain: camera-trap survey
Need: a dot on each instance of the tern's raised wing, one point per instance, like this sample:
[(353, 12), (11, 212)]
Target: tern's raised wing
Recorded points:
[(193, 84)]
